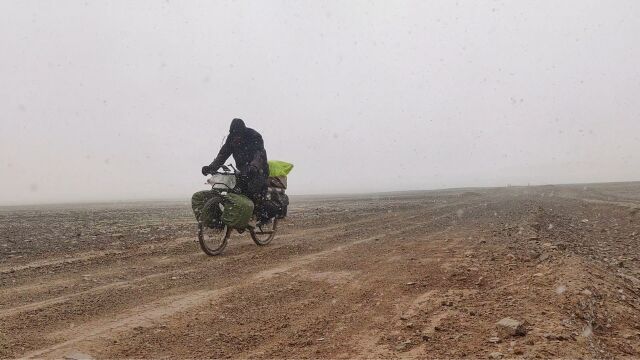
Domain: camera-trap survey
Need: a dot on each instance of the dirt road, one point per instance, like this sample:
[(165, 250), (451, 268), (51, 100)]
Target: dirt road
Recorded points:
[(407, 275)]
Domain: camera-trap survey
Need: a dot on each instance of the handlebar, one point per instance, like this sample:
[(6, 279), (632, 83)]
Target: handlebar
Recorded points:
[(226, 170)]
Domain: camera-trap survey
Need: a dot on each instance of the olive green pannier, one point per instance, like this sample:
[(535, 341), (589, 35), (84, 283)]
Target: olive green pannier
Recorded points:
[(237, 212)]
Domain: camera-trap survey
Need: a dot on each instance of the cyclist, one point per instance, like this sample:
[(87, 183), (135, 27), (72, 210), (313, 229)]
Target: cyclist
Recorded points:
[(247, 148)]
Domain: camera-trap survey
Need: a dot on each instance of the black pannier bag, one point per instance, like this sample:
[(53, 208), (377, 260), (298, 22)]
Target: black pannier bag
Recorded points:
[(276, 203)]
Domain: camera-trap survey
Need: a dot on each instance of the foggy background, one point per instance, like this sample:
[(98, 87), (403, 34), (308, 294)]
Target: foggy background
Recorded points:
[(114, 100)]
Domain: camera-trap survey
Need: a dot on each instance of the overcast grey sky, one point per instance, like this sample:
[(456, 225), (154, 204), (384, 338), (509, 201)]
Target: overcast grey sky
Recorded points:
[(127, 99)]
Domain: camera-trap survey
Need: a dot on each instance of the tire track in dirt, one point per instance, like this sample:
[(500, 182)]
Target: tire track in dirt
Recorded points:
[(62, 261), (96, 256), (139, 316), (102, 288)]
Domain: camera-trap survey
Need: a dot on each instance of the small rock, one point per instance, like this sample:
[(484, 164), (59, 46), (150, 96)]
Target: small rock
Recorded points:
[(495, 340), (411, 283), (403, 346), (556, 337), (587, 292), (495, 355), (511, 327)]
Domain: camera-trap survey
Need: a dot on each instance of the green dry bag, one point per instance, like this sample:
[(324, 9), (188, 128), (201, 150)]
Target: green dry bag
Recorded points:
[(279, 168), (237, 211)]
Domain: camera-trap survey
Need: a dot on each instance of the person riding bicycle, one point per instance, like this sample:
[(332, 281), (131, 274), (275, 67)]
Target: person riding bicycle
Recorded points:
[(247, 147)]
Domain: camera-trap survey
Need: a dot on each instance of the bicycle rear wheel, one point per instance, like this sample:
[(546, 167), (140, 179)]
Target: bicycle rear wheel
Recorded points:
[(262, 235)]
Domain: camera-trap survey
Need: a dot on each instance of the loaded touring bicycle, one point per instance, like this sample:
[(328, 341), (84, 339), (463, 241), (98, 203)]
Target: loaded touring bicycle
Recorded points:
[(226, 209)]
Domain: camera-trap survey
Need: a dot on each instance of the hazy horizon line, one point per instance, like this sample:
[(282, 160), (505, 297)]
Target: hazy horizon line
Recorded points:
[(186, 199)]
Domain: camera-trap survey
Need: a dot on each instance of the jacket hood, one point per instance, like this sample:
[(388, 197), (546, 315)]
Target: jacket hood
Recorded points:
[(237, 126)]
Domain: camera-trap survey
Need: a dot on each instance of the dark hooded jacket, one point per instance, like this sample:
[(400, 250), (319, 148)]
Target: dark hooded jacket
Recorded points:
[(247, 147)]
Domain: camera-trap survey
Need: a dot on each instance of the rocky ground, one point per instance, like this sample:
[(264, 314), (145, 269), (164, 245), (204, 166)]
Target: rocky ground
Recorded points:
[(533, 272)]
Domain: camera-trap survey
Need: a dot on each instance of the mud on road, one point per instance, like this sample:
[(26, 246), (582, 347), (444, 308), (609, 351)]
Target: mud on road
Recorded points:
[(425, 274)]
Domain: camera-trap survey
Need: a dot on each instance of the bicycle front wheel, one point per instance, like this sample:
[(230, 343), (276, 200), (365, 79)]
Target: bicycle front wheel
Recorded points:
[(213, 240)]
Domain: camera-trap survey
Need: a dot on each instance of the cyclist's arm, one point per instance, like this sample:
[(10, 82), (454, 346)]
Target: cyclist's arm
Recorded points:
[(223, 155)]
